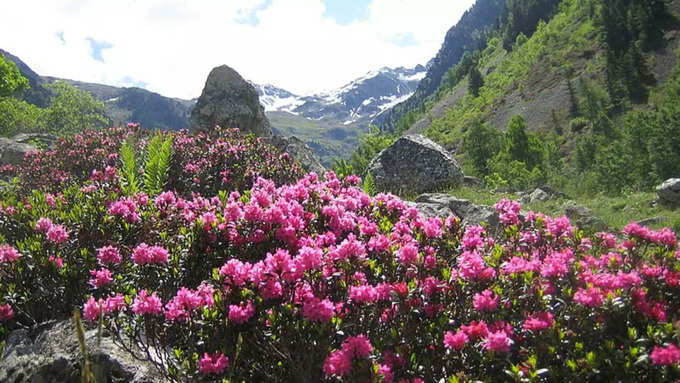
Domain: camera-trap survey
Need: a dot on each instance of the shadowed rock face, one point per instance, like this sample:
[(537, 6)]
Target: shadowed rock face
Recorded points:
[(230, 102), (300, 151), (413, 165), (50, 352)]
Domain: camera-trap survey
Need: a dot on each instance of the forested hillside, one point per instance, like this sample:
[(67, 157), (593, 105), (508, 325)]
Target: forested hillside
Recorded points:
[(584, 101)]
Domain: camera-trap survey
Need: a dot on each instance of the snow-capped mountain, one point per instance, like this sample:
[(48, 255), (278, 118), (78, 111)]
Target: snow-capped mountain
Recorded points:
[(357, 102)]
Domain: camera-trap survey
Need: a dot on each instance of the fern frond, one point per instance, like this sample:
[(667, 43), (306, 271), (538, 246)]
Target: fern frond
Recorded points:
[(128, 171), (158, 154)]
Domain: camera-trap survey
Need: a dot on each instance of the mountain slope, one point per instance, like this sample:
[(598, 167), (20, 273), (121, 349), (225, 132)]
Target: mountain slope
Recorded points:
[(331, 122), (123, 105), (467, 35)]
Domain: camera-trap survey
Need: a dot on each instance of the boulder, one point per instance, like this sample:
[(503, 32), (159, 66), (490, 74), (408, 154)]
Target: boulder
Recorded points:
[(542, 194), (229, 101), (50, 353), (582, 217), (413, 165), (442, 205), (12, 152), (43, 139), (669, 192), (297, 149)]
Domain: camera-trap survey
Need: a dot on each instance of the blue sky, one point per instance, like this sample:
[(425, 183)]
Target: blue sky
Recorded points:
[(169, 46), (345, 12)]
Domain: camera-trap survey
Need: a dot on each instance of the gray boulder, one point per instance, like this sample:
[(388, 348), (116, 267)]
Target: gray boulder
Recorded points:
[(669, 192), (442, 205), (42, 139), (542, 194), (584, 218), (413, 165), (539, 195), (50, 353), (229, 101), (12, 152), (297, 149)]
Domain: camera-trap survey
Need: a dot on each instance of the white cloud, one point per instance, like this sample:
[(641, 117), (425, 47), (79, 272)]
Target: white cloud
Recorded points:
[(172, 45)]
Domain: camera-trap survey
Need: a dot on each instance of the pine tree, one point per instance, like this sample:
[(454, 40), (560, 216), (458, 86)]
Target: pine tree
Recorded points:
[(476, 81)]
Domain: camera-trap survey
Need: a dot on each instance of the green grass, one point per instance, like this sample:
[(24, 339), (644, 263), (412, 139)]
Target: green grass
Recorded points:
[(327, 141), (615, 211)]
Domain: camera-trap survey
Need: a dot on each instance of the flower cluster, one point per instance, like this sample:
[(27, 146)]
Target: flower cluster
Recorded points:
[(316, 280)]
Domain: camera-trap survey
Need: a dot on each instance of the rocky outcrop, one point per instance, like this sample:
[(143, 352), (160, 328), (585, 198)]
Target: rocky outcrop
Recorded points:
[(582, 217), (299, 151), (413, 165), (12, 152), (669, 192), (50, 353), (43, 139), (230, 102), (443, 205)]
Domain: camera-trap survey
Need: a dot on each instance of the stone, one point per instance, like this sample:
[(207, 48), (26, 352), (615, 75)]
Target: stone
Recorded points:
[(584, 218), (300, 151), (669, 192), (43, 139), (49, 352), (229, 101), (442, 205), (12, 152), (539, 195), (414, 165)]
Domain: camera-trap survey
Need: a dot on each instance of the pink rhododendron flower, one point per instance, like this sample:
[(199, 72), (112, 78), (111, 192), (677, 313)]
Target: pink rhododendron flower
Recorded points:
[(363, 294), (147, 304), (486, 301), (144, 254), (241, 313), (91, 309), (433, 228), (508, 211), (475, 329), (126, 208), (338, 363), (357, 346), (58, 261), (385, 371), (235, 272), (8, 254), (556, 264), (101, 277), (57, 234), (108, 255), (408, 254), (591, 297), (214, 363), (455, 341), (665, 355), (498, 341), (6, 312), (315, 309), (539, 321), (43, 224)]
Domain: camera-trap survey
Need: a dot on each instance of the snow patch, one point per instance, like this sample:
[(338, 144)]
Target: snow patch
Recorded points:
[(390, 101), (414, 77)]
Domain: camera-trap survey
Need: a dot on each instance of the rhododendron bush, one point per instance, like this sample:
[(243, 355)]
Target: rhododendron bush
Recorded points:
[(315, 280)]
